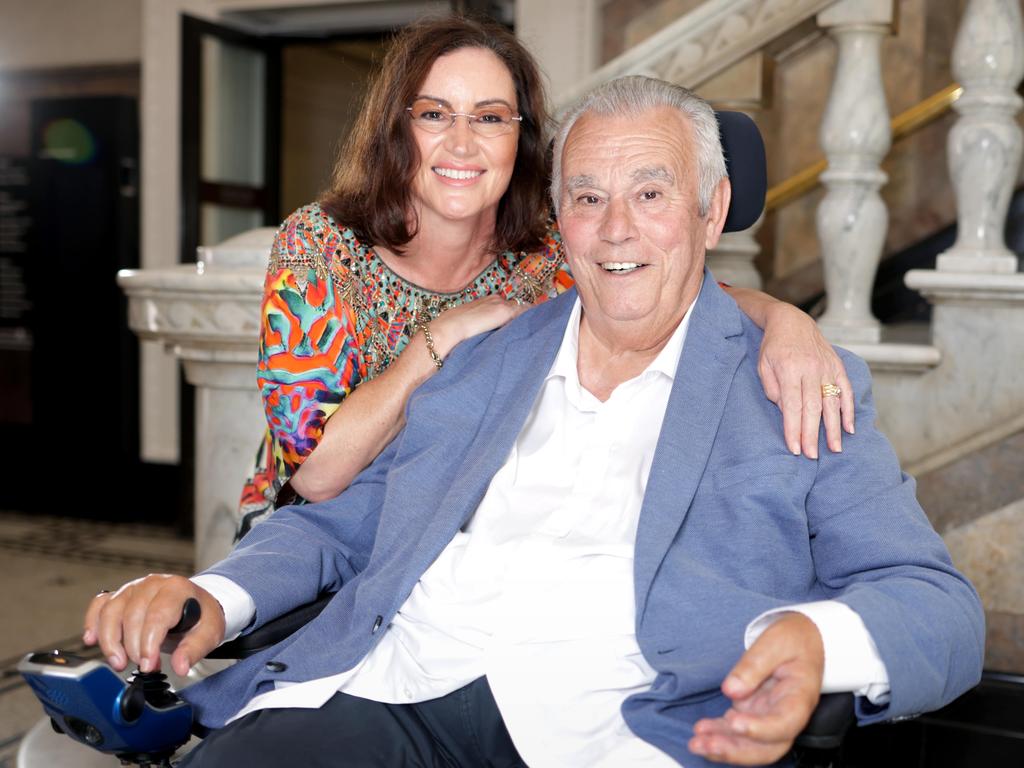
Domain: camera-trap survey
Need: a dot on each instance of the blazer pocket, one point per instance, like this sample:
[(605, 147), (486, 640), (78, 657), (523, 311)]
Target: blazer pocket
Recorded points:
[(756, 471)]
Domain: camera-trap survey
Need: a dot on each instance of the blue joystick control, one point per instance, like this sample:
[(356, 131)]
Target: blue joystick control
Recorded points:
[(140, 720)]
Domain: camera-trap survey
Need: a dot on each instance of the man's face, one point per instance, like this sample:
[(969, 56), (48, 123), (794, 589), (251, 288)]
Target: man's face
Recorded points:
[(630, 221)]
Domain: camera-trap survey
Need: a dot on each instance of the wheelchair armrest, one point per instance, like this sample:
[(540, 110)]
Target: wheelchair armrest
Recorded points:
[(825, 730), (270, 633), (829, 722)]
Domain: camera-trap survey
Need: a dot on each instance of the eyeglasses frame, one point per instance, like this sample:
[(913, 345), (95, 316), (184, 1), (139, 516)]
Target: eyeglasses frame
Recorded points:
[(471, 118)]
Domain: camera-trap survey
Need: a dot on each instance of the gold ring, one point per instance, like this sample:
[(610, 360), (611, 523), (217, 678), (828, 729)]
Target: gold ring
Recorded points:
[(830, 390)]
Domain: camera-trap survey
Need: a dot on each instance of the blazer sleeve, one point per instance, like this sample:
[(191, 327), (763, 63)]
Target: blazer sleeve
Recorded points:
[(303, 551), (875, 550)]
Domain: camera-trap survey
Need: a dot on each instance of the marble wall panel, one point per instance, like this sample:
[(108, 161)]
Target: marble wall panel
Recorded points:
[(990, 552), (1004, 641), (625, 23), (974, 485), (950, 404)]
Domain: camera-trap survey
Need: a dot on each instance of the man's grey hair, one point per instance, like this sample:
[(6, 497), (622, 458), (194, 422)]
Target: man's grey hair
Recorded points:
[(634, 95)]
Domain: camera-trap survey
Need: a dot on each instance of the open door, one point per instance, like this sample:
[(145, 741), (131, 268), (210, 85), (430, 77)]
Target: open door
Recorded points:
[(231, 125)]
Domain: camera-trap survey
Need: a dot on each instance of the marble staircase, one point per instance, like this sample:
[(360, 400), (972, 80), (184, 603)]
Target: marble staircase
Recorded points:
[(951, 398), (942, 398)]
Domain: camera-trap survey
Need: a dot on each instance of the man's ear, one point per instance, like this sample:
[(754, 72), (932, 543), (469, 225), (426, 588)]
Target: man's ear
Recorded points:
[(717, 212)]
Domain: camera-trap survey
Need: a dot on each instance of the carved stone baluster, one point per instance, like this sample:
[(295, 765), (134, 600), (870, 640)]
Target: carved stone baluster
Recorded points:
[(852, 219), (984, 146)]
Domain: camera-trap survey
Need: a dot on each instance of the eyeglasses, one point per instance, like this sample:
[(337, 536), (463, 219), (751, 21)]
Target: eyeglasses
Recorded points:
[(492, 120)]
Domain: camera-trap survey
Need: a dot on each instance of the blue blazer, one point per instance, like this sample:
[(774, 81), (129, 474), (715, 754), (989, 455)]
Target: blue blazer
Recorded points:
[(731, 525)]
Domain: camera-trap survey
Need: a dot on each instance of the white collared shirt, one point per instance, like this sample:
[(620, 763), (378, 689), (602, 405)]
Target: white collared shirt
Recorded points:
[(536, 592)]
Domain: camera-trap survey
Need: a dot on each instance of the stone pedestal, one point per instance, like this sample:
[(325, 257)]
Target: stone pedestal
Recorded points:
[(207, 314), (973, 396)]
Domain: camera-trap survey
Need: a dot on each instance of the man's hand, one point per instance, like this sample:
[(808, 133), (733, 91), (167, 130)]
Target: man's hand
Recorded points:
[(131, 624), (774, 688)]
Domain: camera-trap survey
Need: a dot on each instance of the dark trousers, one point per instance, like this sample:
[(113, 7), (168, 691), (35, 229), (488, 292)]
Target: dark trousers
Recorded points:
[(463, 728)]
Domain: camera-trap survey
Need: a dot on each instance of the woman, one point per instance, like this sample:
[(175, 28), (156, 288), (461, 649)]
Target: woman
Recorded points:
[(435, 229)]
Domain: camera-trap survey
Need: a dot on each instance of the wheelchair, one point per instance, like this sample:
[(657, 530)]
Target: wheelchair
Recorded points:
[(143, 722)]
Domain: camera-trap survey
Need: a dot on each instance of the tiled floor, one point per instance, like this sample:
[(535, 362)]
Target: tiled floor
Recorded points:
[(49, 568)]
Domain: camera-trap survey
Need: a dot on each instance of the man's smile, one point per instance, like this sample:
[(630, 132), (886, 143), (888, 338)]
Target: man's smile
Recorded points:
[(620, 267)]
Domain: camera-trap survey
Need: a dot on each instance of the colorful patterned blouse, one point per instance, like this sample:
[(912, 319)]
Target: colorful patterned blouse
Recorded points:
[(333, 316)]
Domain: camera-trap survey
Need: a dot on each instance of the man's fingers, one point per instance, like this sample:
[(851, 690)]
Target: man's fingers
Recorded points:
[(753, 669), (92, 618), (203, 637), (781, 716), (164, 612), (791, 638), (109, 634), (718, 741)]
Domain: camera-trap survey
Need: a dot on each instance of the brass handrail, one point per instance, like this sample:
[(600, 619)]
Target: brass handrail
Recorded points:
[(918, 116)]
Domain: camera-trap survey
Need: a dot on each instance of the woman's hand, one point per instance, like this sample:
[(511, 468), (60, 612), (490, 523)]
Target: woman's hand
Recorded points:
[(795, 362), (475, 317), (131, 624), (372, 414)]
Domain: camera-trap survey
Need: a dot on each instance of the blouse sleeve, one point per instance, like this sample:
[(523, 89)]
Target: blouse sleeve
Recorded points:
[(308, 358)]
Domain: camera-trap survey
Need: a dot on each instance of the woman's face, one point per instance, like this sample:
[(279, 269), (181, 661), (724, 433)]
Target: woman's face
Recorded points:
[(463, 175)]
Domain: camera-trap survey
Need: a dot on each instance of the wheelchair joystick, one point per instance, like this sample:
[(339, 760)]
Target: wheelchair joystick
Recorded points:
[(141, 721)]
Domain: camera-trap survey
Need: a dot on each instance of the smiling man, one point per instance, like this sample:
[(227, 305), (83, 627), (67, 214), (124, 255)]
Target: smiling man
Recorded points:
[(589, 546)]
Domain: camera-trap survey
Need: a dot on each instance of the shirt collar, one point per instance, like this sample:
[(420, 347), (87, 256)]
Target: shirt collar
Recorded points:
[(666, 361)]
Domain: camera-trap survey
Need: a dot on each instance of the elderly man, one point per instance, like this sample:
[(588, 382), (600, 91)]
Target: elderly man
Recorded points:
[(589, 515)]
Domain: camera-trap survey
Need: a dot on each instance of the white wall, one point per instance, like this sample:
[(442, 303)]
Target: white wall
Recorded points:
[(563, 37), (60, 33)]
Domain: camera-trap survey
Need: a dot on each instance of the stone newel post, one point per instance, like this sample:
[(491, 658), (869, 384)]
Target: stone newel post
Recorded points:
[(208, 315)]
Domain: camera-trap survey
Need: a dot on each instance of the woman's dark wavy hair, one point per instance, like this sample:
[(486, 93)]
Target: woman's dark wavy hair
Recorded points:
[(371, 189)]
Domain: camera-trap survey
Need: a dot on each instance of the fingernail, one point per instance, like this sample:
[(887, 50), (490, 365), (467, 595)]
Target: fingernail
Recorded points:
[(794, 449), (146, 665), (114, 661), (732, 683), (87, 637)]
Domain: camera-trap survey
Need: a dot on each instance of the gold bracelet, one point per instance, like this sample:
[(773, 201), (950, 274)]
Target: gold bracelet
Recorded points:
[(425, 327)]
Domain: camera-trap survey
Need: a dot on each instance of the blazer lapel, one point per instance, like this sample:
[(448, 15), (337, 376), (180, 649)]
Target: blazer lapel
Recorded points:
[(710, 357), (525, 364), (510, 385)]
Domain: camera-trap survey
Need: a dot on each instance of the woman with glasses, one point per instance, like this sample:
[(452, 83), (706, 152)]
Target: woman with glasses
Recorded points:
[(435, 229)]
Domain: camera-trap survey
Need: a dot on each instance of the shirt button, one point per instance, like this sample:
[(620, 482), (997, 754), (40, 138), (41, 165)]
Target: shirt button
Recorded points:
[(275, 666), (376, 625)]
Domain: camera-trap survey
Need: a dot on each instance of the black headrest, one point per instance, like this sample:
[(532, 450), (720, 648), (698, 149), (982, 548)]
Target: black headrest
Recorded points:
[(745, 164)]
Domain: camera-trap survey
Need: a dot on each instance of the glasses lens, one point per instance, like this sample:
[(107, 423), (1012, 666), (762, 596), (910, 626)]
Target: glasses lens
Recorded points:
[(493, 120), (429, 116)]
